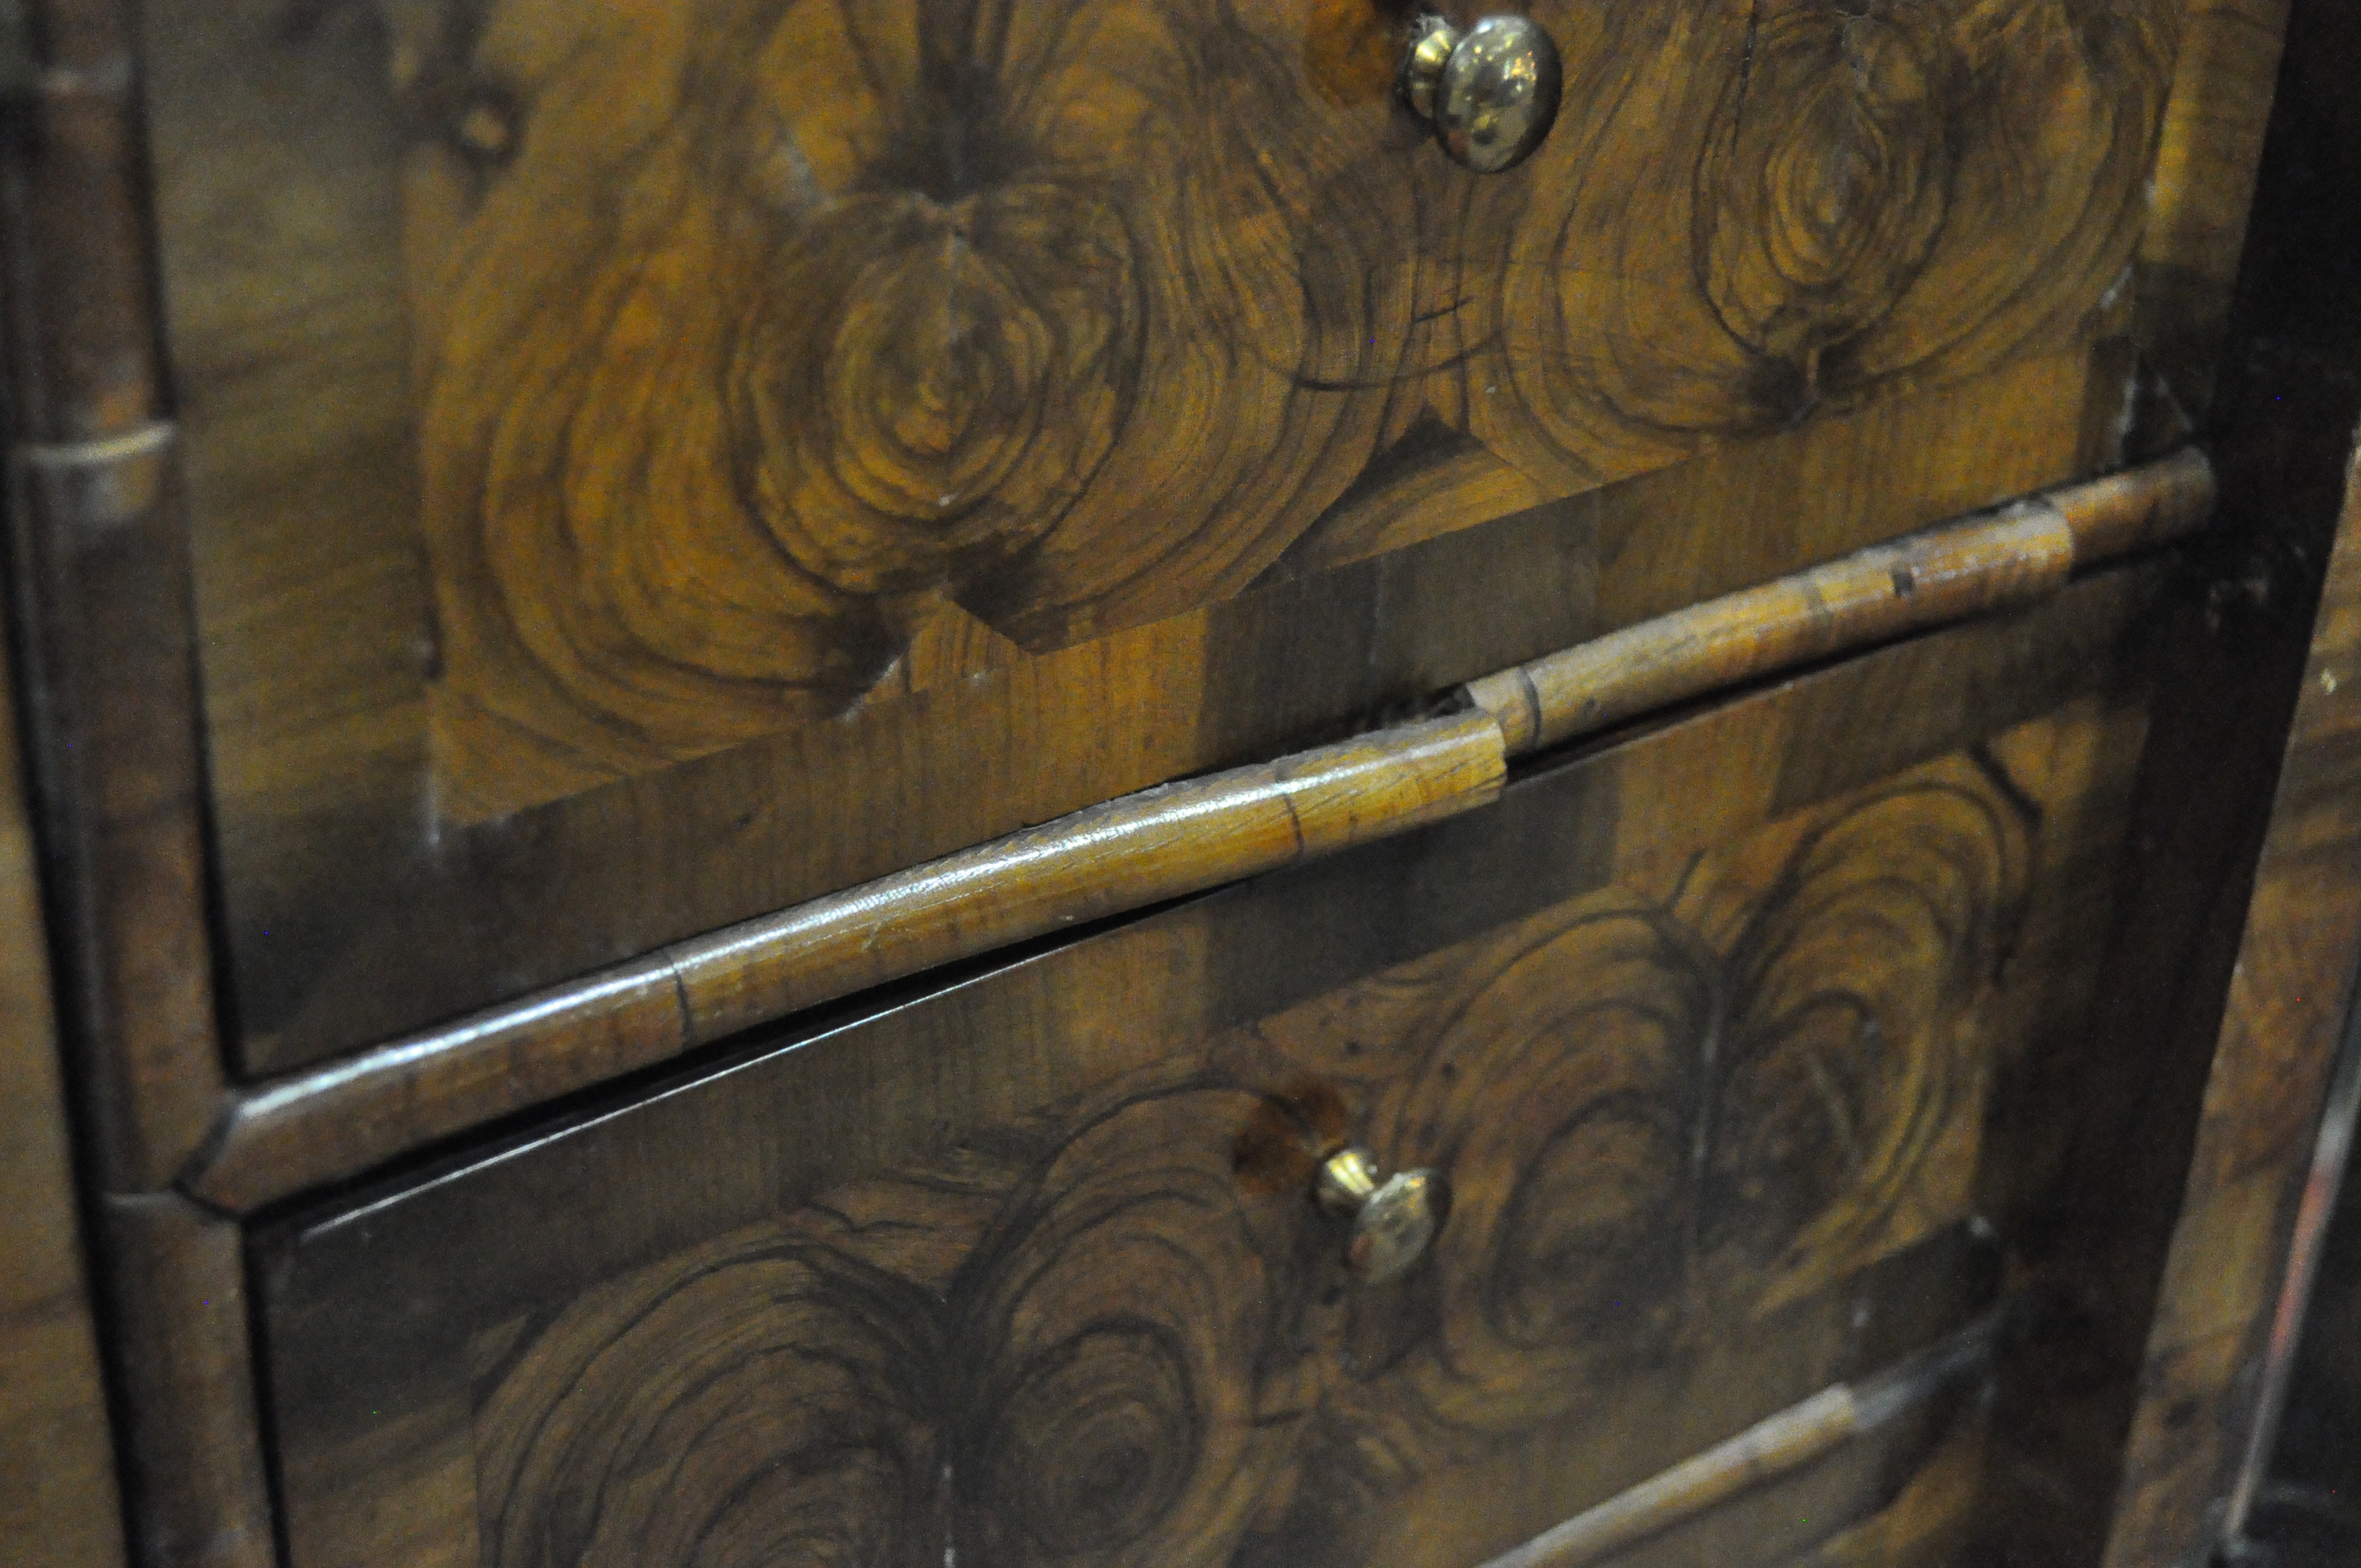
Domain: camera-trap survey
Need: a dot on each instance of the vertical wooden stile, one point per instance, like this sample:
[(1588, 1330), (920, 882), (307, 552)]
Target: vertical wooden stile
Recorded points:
[(100, 569)]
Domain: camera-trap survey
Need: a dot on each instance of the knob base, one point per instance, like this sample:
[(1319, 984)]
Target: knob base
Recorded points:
[(1432, 40)]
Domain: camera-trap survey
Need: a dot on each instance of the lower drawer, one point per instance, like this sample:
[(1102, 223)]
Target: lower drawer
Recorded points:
[(1709, 1036)]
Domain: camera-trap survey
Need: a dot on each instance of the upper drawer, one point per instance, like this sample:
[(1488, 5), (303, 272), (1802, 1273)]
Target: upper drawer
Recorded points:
[(1718, 1042), (651, 464)]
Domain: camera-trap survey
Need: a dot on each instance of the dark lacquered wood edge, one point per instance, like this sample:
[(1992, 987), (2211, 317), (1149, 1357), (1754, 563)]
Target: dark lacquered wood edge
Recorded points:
[(2290, 990), (59, 1505), (105, 629), (280, 1140), (193, 1475), (2216, 1325), (2118, 1424), (109, 690), (105, 619), (81, 309)]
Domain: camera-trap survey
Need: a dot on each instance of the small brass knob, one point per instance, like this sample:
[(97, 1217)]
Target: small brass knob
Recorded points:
[(1393, 1219), (1491, 92)]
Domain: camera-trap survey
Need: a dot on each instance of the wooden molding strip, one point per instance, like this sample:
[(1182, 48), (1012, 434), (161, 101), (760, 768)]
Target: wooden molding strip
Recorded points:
[(106, 624), (340, 1119), (1777, 1446), (1133, 851), (194, 1471), (1136, 851), (104, 618), (110, 700), (61, 1504), (2014, 557)]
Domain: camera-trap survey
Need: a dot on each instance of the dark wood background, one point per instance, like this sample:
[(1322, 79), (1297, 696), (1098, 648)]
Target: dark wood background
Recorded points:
[(60, 1507)]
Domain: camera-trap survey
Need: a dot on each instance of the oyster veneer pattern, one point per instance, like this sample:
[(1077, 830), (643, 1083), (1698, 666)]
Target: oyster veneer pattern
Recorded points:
[(1119, 1331), (761, 340)]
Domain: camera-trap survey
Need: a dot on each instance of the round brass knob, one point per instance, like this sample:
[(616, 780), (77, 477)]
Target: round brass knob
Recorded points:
[(1393, 1219), (1491, 92)]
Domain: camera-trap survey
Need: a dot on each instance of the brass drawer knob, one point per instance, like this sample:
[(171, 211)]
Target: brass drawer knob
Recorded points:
[(1491, 92), (1393, 1219)]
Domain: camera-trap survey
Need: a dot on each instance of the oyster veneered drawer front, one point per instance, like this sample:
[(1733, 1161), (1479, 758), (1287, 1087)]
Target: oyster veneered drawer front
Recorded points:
[(649, 465), (1719, 1045)]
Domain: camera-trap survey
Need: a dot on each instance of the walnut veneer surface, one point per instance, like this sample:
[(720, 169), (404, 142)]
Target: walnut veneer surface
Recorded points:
[(649, 465), (752, 719)]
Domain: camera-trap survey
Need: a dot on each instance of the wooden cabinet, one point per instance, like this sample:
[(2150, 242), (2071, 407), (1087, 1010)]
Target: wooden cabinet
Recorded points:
[(1720, 1042), (647, 467), (756, 723)]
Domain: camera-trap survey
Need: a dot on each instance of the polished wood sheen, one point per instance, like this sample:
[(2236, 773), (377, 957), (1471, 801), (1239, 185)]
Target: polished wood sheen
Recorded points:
[(1887, 589), (1177, 271), (593, 551), (109, 668), (193, 1466), (1177, 839), (1020, 1266), (103, 622), (105, 636), (612, 872), (1945, 574), (686, 609), (1161, 844)]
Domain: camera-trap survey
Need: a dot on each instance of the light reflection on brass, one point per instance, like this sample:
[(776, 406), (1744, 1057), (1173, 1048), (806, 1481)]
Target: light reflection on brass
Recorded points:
[(1393, 1219), (1491, 92)]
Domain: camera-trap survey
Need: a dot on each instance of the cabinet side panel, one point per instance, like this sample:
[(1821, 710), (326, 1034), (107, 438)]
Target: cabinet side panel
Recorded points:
[(58, 1502)]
